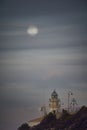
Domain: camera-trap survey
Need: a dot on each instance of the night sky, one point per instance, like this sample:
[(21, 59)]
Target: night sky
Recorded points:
[(33, 66)]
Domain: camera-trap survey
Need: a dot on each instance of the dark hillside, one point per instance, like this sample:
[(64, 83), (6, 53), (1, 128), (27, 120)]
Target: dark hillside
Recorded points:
[(77, 121)]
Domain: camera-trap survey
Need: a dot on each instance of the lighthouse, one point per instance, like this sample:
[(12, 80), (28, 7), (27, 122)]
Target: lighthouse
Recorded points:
[(54, 103)]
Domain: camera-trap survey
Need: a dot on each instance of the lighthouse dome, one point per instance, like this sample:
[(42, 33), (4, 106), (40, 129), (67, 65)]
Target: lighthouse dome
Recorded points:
[(54, 94)]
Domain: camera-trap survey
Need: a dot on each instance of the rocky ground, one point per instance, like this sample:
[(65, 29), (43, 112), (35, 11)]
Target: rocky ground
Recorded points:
[(76, 121)]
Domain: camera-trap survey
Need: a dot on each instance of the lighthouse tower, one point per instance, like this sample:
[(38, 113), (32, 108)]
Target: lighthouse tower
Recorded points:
[(54, 102)]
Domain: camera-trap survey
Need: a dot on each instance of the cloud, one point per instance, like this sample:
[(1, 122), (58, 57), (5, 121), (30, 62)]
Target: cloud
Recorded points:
[(57, 33)]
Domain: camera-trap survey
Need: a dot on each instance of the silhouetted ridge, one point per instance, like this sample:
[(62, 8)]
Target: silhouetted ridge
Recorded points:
[(47, 122), (76, 121), (79, 120), (48, 118), (82, 111), (65, 115)]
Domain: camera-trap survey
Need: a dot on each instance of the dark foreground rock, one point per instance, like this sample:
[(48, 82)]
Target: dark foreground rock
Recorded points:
[(76, 121)]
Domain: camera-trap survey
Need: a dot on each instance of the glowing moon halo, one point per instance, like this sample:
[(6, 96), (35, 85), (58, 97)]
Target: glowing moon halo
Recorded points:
[(32, 30)]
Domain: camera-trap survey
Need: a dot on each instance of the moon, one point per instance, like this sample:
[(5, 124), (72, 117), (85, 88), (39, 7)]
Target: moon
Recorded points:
[(32, 30)]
